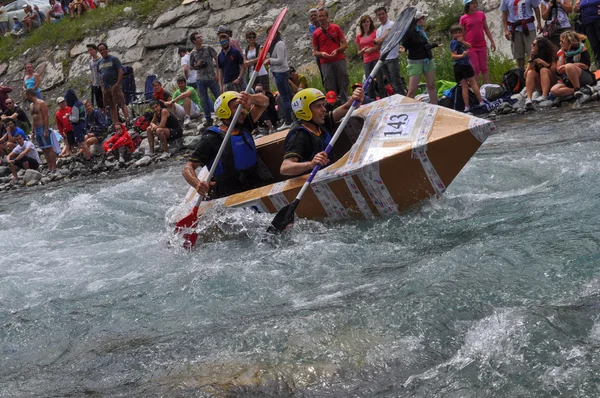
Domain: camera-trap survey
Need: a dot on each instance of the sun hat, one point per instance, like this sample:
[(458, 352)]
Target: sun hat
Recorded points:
[(420, 14)]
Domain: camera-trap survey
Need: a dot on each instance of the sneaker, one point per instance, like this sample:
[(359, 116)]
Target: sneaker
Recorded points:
[(539, 99), (528, 103), (165, 155), (467, 109), (149, 153), (585, 90), (284, 127), (186, 121)]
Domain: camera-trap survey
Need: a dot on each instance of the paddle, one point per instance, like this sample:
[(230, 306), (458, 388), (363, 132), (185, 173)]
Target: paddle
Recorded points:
[(188, 224), (285, 216)]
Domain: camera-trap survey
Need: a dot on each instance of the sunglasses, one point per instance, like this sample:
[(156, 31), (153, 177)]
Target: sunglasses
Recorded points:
[(258, 91), (8, 102), (250, 37)]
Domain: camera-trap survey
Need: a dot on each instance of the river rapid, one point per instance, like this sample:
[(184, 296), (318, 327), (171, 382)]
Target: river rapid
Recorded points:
[(493, 290)]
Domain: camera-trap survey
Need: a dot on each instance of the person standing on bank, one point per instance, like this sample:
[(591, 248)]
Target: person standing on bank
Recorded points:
[(365, 41), (111, 76), (329, 44), (475, 25), (519, 26), (32, 80), (420, 58), (250, 59), (590, 21), (281, 74), (391, 66), (555, 13)]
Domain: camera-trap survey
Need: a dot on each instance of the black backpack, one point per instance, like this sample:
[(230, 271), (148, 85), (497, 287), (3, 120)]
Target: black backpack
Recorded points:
[(513, 81), (455, 99)]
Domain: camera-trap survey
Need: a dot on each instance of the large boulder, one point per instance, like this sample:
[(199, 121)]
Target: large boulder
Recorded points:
[(161, 38), (177, 13), (32, 175), (80, 48), (80, 66), (133, 55), (4, 171), (123, 37), (232, 15), (193, 21), (52, 75)]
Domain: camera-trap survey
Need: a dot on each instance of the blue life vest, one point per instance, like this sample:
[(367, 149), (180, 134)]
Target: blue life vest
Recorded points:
[(319, 143), (238, 157)]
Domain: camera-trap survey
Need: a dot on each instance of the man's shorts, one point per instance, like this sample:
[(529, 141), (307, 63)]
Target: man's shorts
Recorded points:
[(97, 95), (180, 111), (463, 72), (417, 67), (175, 134), (43, 142), (79, 132), (31, 163), (521, 45), (113, 96)]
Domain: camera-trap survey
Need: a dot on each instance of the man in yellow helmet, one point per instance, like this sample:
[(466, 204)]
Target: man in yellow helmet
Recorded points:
[(236, 170), (309, 136)]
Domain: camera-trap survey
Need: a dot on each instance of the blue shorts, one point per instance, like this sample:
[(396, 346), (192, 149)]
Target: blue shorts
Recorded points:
[(43, 142), (79, 132)]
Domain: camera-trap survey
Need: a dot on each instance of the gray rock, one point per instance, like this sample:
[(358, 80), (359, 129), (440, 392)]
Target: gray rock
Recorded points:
[(133, 55), (216, 5), (5, 180), (191, 142), (193, 21), (162, 38), (173, 151), (96, 150), (45, 180), (4, 171), (123, 37), (231, 15), (31, 183), (64, 171), (32, 175), (21, 173), (52, 75), (145, 161), (178, 144), (177, 13), (137, 155), (57, 176), (80, 66), (100, 167), (3, 68)]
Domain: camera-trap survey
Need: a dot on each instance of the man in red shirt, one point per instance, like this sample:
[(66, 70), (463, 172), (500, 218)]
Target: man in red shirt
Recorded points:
[(63, 124), (329, 44)]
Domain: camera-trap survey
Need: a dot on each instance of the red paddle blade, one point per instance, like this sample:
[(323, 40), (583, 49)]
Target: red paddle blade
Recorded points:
[(270, 38), (185, 224)]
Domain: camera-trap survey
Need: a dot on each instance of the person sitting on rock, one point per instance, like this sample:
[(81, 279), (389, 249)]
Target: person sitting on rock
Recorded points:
[(40, 14), (96, 126), (165, 126), (541, 70), (17, 114), (77, 119), (119, 144), (18, 27), (159, 93), (306, 141), (56, 12), (297, 81), (8, 141), (236, 170), (23, 156), (63, 124), (31, 19), (185, 103), (77, 6), (573, 67)]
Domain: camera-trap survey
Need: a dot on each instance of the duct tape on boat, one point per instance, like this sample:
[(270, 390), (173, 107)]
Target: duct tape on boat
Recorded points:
[(432, 175), (481, 128), (373, 183), (277, 197), (360, 200), (330, 203), (420, 143)]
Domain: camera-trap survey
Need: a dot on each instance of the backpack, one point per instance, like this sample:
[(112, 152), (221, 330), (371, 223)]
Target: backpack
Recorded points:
[(513, 81), (142, 122), (454, 99)]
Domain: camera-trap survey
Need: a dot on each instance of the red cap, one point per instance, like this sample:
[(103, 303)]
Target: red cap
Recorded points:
[(331, 97), (357, 85)]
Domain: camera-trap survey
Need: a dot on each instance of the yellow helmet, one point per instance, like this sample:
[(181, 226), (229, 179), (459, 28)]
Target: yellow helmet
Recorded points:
[(222, 109), (303, 100)]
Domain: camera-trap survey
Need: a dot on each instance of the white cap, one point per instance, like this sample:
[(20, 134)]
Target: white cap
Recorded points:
[(59, 100), (420, 14)]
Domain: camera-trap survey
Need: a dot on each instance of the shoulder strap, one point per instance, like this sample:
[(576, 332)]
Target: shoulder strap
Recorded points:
[(328, 35)]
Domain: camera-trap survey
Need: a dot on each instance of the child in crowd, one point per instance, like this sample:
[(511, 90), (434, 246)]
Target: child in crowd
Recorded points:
[(463, 71)]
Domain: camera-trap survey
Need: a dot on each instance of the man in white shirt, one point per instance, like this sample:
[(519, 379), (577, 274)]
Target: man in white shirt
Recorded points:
[(391, 67), (24, 156), (189, 73)]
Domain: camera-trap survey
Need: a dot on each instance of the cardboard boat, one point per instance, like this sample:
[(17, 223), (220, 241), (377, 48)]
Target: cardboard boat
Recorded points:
[(396, 152)]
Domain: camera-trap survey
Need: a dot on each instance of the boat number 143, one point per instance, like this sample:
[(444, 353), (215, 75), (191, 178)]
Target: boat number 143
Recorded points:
[(396, 125)]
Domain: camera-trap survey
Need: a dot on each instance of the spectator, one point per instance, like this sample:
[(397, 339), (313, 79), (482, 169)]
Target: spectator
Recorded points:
[(4, 90), (232, 42), (250, 59), (518, 21), (297, 81), (56, 12), (188, 73), (65, 4), (474, 25), (590, 21), (96, 79), (185, 103), (556, 16), (231, 66), (366, 99), (391, 65), (541, 70), (120, 143), (65, 129), (18, 28), (95, 125), (111, 75), (8, 140), (77, 6), (32, 80), (77, 119), (281, 74), (165, 126), (463, 71), (365, 41), (329, 44), (3, 20), (41, 14), (31, 19), (573, 66), (23, 156), (270, 116), (203, 60), (159, 93), (331, 101), (420, 58), (314, 21), (41, 129), (17, 114)]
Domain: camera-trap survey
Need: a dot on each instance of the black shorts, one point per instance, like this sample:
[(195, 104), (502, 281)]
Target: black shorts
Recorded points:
[(175, 134), (97, 94), (71, 138), (32, 163), (462, 72), (586, 78)]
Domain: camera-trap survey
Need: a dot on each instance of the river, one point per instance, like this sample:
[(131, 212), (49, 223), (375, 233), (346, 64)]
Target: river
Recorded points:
[(493, 290)]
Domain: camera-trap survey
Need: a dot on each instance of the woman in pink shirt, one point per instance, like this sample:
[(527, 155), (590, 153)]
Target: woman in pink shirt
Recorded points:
[(475, 25), (365, 41)]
